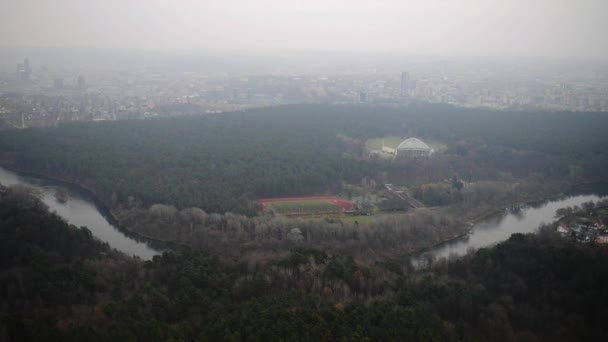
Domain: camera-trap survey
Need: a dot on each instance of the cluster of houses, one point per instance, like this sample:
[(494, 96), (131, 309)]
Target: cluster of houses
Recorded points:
[(594, 233)]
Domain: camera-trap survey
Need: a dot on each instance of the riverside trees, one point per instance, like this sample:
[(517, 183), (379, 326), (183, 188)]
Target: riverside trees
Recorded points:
[(59, 283)]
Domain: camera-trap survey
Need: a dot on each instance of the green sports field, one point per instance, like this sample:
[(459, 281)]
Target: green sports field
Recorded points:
[(376, 143)]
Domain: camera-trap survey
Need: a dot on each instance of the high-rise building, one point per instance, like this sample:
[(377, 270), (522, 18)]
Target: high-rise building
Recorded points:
[(26, 65), (82, 83), (58, 83), (24, 70), (363, 96), (406, 84)]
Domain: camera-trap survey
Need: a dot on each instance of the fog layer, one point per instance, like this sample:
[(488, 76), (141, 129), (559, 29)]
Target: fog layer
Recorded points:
[(556, 28)]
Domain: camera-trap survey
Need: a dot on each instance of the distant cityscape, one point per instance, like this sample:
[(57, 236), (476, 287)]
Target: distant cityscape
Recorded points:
[(33, 95)]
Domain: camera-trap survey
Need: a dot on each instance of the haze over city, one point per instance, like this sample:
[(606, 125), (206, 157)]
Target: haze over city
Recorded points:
[(547, 28)]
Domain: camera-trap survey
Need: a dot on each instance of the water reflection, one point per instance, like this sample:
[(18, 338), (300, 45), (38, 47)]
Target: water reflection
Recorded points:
[(500, 227), (80, 210)]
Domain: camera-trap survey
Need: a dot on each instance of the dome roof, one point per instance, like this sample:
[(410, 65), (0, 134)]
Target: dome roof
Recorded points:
[(413, 144)]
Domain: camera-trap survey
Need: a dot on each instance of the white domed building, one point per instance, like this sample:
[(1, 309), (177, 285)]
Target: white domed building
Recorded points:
[(413, 148)]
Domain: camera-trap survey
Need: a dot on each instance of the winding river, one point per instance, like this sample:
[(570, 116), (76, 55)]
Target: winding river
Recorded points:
[(81, 210), (500, 227)]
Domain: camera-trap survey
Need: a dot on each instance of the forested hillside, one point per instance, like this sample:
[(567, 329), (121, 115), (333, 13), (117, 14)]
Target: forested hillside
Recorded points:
[(222, 162), (58, 283)]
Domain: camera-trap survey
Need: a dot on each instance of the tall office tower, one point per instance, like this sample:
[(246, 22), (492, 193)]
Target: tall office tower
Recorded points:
[(82, 83), (405, 80), (26, 65), (58, 83), (24, 70), (363, 97)]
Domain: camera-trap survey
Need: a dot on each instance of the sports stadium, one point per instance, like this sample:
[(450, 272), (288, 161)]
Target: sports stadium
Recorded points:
[(413, 148)]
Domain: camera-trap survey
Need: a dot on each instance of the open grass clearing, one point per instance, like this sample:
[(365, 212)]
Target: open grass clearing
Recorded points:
[(376, 143)]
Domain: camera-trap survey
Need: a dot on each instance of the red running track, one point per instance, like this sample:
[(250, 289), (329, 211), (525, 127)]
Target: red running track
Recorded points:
[(345, 205)]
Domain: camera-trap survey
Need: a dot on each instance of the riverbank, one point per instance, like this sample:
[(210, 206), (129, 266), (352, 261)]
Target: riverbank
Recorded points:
[(495, 212), (137, 223), (103, 208), (492, 231)]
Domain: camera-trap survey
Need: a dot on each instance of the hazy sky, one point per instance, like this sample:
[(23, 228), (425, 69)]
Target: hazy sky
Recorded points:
[(558, 28)]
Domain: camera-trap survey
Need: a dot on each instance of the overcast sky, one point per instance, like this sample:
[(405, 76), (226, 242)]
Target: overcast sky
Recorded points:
[(556, 28)]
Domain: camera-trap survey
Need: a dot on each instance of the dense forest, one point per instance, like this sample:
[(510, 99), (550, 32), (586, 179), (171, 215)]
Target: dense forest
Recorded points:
[(222, 162), (59, 283)]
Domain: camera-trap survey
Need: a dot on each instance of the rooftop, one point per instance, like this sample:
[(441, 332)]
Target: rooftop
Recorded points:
[(413, 144)]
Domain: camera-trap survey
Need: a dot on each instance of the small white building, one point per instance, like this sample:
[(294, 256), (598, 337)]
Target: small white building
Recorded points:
[(388, 150)]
